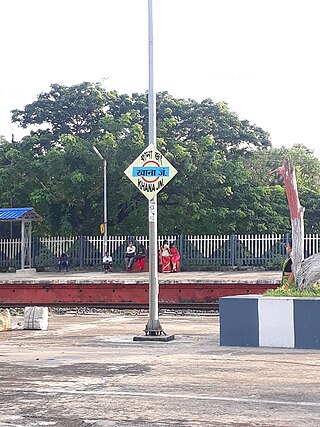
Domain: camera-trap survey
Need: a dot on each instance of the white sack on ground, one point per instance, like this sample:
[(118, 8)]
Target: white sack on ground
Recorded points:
[(36, 318)]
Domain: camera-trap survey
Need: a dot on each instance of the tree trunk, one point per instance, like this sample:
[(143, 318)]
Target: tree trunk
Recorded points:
[(309, 272), (297, 223)]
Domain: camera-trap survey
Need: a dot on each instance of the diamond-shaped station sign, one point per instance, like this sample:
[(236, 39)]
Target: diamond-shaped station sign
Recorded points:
[(150, 172)]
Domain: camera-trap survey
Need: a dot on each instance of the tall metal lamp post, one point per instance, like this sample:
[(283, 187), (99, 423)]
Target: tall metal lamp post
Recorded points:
[(153, 330), (105, 209)]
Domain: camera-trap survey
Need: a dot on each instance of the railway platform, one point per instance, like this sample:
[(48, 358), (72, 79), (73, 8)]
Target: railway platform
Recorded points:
[(243, 276), (129, 289), (87, 371)]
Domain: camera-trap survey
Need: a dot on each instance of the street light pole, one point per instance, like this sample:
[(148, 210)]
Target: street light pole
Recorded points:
[(153, 330), (105, 208), (153, 326)]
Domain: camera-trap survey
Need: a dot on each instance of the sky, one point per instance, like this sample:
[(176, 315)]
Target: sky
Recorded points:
[(259, 56)]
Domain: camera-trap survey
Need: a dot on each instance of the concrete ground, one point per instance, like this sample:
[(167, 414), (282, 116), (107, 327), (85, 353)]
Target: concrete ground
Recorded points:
[(87, 371), (236, 276)]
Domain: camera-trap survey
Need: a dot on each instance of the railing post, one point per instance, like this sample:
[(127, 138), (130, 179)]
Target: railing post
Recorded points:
[(284, 253), (34, 249), (181, 250), (81, 252), (233, 250)]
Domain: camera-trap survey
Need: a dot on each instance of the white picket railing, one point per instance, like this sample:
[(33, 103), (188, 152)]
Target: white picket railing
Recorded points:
[(210, 251)]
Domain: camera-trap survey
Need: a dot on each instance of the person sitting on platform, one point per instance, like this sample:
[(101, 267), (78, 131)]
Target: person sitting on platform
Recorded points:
[(107, 262), (63, 262), (130, 255), (141, 257), (165, 257), (175, 257)]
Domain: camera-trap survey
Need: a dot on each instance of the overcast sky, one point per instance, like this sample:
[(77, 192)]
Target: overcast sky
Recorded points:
[(259, 56)]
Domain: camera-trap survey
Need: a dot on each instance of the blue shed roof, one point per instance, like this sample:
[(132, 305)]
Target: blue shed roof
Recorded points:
[(18, 214)]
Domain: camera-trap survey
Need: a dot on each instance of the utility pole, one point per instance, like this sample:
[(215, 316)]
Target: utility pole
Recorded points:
[(153, 326), (153, 329), (105, 207)]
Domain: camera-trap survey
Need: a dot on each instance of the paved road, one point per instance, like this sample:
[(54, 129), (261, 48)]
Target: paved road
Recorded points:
[(86, 371)]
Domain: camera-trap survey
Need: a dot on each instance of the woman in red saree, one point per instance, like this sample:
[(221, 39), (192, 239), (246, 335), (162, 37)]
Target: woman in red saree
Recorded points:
[(141, 257), (165, 257), (175, 257)]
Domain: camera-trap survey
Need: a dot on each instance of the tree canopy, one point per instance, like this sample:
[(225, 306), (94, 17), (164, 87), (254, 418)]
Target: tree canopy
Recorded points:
[(223, 183)]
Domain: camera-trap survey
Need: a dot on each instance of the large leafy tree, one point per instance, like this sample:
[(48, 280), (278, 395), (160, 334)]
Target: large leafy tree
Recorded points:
[(75, 110), (307, 168), (197, 138), (223, 184)]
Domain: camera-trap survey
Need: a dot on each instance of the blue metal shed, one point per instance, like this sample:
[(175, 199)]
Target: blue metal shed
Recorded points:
[(19, 214), (25, 216)]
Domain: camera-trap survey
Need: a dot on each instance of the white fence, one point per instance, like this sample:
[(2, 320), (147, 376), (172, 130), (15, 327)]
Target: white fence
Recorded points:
[(201, 251)]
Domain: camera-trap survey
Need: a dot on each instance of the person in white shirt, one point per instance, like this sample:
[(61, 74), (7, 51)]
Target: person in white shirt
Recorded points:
[(107, 262), (130, 255)]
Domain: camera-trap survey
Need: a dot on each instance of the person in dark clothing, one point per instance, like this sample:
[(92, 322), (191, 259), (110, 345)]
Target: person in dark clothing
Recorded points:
[(287, 273), (63, 262)]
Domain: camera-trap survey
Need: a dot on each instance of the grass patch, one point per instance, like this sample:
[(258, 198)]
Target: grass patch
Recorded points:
[(313, 292)]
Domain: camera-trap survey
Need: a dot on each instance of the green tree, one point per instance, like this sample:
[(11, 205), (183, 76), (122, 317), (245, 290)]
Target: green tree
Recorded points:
[(76, 110), (307, 168), (195, 138), (223, 183)]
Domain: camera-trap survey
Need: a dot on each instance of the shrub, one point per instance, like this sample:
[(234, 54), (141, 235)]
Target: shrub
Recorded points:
[(294, 292)]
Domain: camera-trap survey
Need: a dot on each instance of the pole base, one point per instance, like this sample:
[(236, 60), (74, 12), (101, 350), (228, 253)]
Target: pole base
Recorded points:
[(161, 338), (154, 332)]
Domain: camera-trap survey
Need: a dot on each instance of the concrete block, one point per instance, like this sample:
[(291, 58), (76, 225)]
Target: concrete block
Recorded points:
[(261, 321)]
